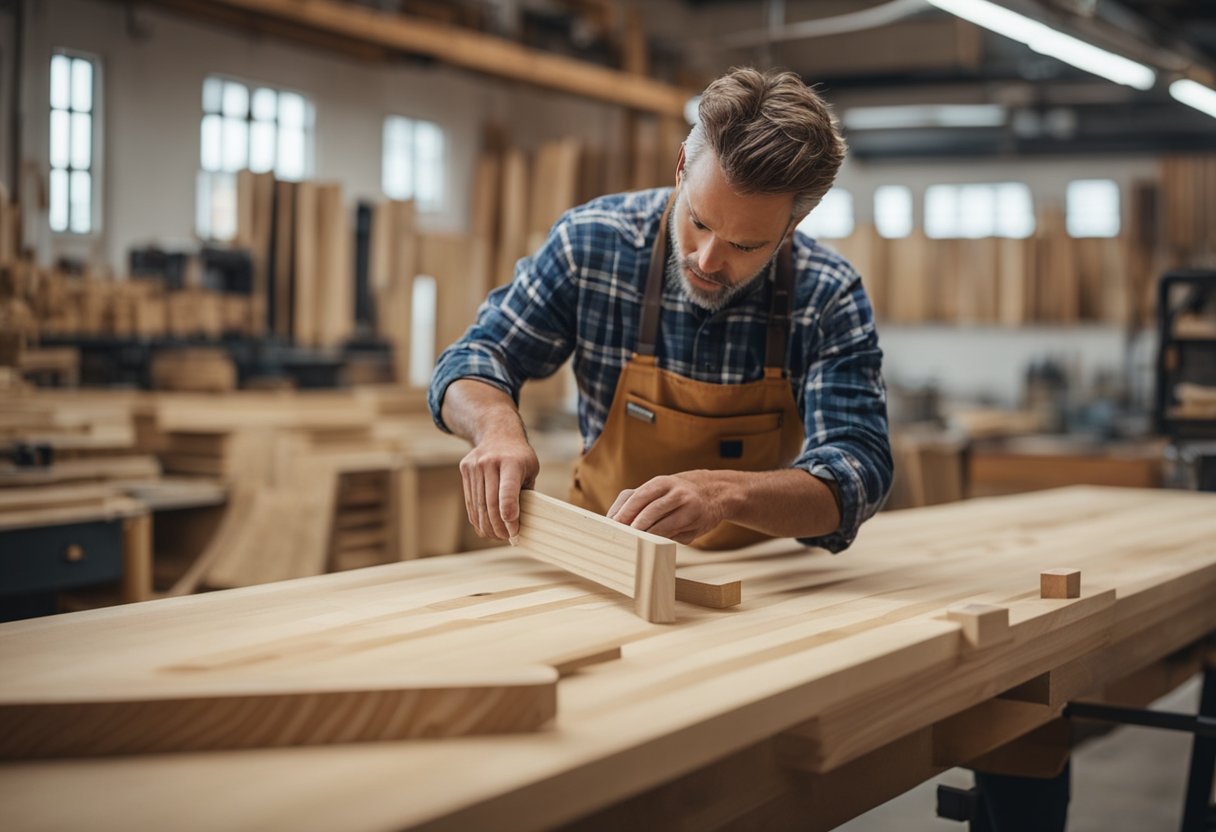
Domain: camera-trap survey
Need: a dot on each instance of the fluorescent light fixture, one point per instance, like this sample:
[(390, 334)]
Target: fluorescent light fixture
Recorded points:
[(1195, 94), (1048, 41), (923, 115)]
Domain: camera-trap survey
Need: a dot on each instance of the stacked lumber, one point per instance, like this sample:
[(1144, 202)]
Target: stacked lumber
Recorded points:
[(73, 426), (10, 229), (301, 244), (198, 369), (393, 265), (363, 527), (1188, 194), (1048, 278)]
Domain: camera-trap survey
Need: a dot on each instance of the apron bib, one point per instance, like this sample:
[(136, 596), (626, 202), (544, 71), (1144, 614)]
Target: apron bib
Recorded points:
[(661, 423)]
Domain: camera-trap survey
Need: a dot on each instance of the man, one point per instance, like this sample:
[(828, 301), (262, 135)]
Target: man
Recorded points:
[(728, 367)]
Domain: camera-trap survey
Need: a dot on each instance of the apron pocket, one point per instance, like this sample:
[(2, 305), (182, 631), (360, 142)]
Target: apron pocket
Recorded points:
[(663, 440)]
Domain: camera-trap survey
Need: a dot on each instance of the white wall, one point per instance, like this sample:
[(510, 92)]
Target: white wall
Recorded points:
[(153, 65)]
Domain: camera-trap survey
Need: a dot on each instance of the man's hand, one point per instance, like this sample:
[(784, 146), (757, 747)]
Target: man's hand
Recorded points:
[(681, 507), (493, 473)]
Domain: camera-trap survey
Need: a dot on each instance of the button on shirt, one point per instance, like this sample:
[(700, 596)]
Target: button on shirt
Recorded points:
[(581, 295)]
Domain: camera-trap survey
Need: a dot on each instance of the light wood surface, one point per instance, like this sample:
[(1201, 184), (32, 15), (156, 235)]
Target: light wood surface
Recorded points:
[(849, 659), (638, 565)]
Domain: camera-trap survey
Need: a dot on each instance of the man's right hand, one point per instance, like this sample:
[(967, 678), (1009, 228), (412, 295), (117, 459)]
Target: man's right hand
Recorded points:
[(493, 473), (501, 464)]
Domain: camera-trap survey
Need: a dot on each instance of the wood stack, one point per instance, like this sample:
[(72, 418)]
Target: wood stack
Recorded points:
[(301, 245), (363, 526), (393, 267), (1189, 209), (1048, 278)]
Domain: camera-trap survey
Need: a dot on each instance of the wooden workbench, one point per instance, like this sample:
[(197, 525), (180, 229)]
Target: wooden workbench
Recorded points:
[(838, 683)]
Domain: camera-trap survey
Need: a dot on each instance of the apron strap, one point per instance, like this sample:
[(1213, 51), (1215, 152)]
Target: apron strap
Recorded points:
[(652, 302), (779, 309)]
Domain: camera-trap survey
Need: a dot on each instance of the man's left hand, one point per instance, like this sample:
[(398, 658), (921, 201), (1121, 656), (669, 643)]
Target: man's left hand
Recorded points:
[(680, 507)]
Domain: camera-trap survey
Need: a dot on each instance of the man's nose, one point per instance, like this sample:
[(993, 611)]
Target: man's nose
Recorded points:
[(710, 256)]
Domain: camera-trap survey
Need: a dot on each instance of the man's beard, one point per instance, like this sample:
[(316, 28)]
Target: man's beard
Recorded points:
[(709, 301)]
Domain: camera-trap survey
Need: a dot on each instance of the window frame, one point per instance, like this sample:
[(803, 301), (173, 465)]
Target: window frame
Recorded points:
[(441, 201), (1118, 213), (959, 189), (96, 168), (205, 174)]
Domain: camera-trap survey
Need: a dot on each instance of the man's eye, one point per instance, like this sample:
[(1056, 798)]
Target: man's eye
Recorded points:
[(700, 225), (748, 249)]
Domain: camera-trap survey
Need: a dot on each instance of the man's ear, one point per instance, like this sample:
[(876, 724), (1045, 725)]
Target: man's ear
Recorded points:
[(680, 164), (794, 223)]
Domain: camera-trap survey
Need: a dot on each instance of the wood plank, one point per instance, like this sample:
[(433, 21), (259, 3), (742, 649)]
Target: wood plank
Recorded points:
[(304, 285), (335, 268), (81, 470), (284, 257), (470, 50), (272, 713), (636, 564)]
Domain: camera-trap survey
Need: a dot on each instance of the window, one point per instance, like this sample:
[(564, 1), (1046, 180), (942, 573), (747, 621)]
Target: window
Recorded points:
[(831, 219), (258, 128), (1002, 209), (893, 211), (413, 162), (71, 152), (1092, 208)]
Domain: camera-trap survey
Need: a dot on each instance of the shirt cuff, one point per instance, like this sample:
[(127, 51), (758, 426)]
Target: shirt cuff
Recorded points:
[(828, 463)]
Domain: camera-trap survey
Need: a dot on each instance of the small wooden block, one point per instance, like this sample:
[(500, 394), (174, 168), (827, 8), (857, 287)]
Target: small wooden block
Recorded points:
[(983, 624), (718, 596), (1060, 583)]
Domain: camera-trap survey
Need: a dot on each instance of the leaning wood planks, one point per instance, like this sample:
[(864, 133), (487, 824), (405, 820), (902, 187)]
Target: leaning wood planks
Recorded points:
[(636, 564)]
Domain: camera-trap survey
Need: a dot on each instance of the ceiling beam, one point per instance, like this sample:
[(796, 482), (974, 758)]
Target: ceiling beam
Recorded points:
[(486, 54)]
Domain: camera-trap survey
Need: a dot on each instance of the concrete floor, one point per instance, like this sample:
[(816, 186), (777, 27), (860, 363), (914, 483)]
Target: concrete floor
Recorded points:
[(1131, 780)]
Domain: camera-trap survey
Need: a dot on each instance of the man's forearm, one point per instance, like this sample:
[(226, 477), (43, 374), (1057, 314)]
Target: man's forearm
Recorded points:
[(789, 503), (474, 410)]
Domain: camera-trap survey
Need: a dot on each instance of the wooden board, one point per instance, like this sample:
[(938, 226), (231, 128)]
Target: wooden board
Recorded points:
[(855, 643), (304, 284), (335, 313), (284, 256), (147, 715), (636, 564)]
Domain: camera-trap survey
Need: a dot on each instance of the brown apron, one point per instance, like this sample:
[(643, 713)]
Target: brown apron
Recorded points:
[(661, 423)]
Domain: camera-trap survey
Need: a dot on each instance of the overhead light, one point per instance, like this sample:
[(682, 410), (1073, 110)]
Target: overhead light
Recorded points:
[(923, 115), (1048, 41), (1195, 94)]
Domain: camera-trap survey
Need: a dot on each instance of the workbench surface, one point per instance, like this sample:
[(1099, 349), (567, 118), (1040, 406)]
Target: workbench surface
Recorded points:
[(837, 657)]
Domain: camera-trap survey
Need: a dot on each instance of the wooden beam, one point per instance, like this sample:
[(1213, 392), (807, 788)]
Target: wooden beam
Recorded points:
[(461, 48), (636, 564), (122, 718)]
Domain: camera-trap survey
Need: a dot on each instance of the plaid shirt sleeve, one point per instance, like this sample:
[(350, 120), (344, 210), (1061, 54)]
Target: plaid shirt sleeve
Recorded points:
[(523, 330), (845, 408)]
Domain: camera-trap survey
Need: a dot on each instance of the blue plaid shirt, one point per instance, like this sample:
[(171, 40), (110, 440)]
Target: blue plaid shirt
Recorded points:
[(581, 293)]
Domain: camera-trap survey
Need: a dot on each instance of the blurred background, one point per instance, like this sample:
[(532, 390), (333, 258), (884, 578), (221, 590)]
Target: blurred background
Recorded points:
[(235, 235)]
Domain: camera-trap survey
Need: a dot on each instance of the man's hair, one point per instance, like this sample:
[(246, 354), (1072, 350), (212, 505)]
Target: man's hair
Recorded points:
[(771, 133)]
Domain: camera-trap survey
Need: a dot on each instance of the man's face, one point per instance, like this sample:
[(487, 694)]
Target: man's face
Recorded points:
[(722, 240)]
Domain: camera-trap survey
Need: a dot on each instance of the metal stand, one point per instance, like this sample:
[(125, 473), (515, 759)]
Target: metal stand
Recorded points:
[(1198, 813)]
